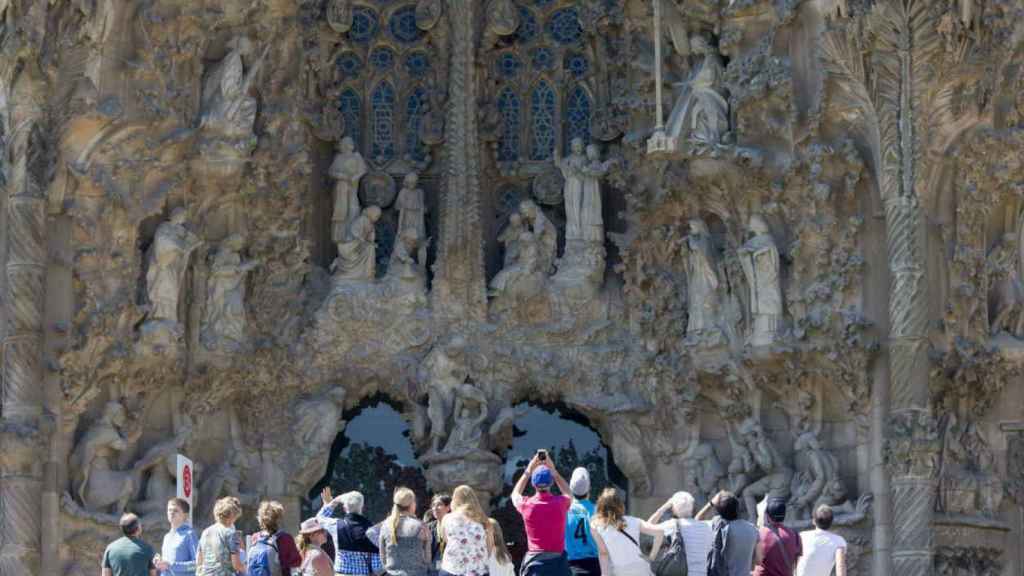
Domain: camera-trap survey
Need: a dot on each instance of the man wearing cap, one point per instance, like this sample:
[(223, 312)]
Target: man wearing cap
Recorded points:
[(579, 546), (544, 516), (779, 548)]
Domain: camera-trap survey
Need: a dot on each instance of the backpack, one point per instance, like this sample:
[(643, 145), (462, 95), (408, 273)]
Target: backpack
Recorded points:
[(717, 565), (262, 558), (671, 561)]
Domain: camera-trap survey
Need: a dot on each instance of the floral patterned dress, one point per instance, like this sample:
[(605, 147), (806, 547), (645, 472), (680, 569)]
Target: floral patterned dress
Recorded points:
[(465, 546)]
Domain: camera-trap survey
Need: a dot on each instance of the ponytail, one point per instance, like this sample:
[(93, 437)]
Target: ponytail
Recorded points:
[(402, 501)]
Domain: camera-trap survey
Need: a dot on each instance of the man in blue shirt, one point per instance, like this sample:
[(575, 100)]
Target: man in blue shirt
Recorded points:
[(178, 554), (579, 545)]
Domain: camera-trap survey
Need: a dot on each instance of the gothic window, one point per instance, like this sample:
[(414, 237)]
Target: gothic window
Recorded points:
[(508, 143), (577, 116), (349, 64), (364, 25), (382, 105), (528, 26), (577, 64), (508, 65), (403, 25), (542, 122), (414, 108), (564, 26), (417, 64), (350, 106), (382, 58), (542, 58)]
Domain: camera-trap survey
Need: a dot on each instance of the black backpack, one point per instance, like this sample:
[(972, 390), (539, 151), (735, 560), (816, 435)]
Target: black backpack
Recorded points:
[(671, 561), (717, 565)]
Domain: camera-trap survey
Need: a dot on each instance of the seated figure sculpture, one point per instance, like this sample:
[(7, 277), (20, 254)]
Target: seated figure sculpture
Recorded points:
[(357, 252), (701, 113), (97, 482)]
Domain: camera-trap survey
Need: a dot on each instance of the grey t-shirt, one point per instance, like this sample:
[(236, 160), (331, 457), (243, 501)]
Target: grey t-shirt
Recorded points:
[(216, 546), (740, 537)]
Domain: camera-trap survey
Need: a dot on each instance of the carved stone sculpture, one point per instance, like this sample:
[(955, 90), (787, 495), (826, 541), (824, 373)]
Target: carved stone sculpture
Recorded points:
[(573, 171), (348, 168), (229, 112), (173, 244), (318, 422), (1006, 294), (543, 230), (444, 370), (522, 277), (817, 481), (224, 323), (339, 15), (357, 252), (407, 269), (704, 471), (509, 237), (96, 480), (702, 280), (469, 415), (760, 260), (968, 484), (777, 476), (701, 113), (411, 207), (160, 462)]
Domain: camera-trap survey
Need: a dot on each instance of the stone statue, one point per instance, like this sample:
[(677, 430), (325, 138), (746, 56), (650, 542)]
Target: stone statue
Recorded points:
[(543, 230), (316, 425), (357, 252), (509, 237), (229, 112), (411, 207), (816, 481), (469, 415), (407, 270), (523, 277), (591, 220), (704, 471), (1005, 290), (572, 168), (225, 319), (445, 370), (339, 15), (173, 244), (968, 482), (702, 279), (760, 260), (161, 463), (95, 479), (777, 476), (701, 114), (348, 168)]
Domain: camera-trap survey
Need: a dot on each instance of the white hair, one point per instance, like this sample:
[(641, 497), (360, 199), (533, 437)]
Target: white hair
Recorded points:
[(353, 502), (682, 505)]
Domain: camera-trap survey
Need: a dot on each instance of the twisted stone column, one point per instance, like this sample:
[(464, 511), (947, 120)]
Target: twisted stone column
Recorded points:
[(23, 426), (459, 290)]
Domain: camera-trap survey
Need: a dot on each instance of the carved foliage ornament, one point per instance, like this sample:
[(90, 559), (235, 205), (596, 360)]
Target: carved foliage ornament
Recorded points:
[(913, 445)]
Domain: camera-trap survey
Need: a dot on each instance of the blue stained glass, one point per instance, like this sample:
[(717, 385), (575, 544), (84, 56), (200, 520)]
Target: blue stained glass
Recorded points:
[(542, 58), (564, 26), (382, 104), (508, 65), (577, 116), (577, 65), (528, 27), (364, 25), (543, 3), (403, 25), (542, 122), (382, 57), (417, 63), (349, 63), (510, 109), (350, 106), (414, 108)]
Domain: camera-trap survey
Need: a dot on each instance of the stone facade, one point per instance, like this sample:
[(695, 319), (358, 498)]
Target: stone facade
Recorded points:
[(804, 279)]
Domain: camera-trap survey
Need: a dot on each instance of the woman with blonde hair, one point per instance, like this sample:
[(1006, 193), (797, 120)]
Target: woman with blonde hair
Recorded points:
[(272, 538), (220, 544), (467, 536), (404, 540), (315, 562), (500, 562), (618, 537)]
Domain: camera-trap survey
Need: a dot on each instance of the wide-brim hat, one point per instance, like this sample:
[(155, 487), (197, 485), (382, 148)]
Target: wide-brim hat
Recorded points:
[(310, 526)]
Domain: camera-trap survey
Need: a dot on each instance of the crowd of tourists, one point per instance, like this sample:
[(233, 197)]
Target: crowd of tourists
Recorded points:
[(566, 535)]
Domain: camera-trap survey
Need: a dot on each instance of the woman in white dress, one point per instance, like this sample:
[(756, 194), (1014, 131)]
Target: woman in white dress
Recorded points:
[(618, 537)]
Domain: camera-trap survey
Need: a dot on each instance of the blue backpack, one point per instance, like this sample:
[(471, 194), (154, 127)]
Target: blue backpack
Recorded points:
[(262, 558)]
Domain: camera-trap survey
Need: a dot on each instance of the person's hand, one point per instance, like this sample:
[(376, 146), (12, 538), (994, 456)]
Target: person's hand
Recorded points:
[(325, 495), (534, 462), (717, 498), (163, 566)]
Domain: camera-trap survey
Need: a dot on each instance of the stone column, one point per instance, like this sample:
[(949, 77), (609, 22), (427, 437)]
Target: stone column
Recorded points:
[(912, 439), (22, 424), (459, 290)]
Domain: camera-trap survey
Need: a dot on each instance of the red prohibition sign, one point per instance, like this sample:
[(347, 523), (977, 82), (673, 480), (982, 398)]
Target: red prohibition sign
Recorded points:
[(186, 479)]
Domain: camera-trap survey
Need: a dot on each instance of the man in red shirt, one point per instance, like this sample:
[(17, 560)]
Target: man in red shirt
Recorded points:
[(544, 517), (779, 548)]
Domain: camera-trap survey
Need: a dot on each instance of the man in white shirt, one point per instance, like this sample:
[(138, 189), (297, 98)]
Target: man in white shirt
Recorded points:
[(822, 549), (697, 534)]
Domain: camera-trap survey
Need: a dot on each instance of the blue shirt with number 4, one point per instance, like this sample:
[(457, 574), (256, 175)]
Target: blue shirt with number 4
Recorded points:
[(578, 543)]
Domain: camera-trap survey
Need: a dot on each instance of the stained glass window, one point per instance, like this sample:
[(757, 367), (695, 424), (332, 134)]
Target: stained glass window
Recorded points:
[(364, 25), (542, 3), (542, 122), (417, 63), (382, 58), (349, 64), (414, 107), (564, 26), (508, 143), (577, 116), (577, 64), (350, 106), (382, 104), (542, 58), (403, 25), (528, 26), (508, 65)]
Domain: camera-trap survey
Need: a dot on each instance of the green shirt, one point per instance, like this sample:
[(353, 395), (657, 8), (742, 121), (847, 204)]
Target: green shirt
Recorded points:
[(128, 557)]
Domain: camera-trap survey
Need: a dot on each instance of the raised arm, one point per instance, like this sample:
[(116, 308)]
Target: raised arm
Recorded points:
[(563, 486), (517, 490), (660, 512)]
